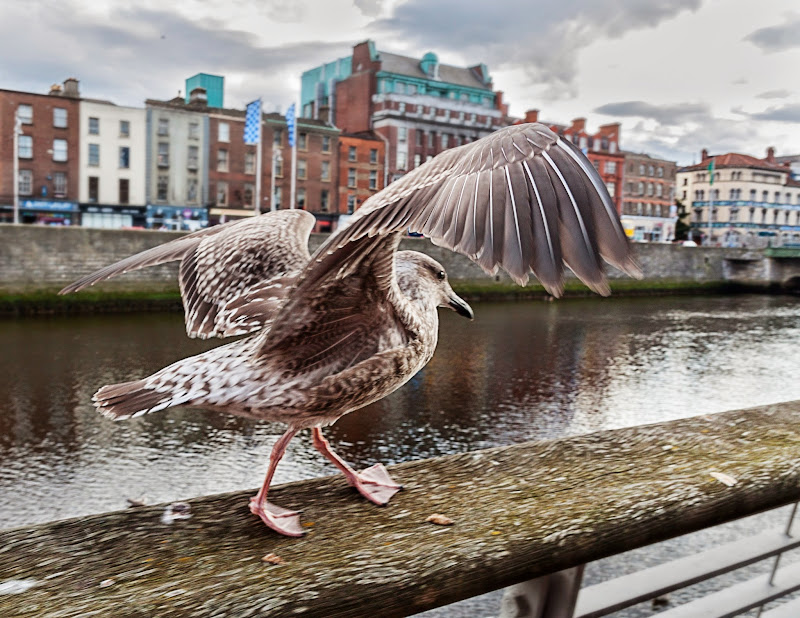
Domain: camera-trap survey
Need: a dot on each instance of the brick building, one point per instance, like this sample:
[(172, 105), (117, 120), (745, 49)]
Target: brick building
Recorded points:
[(648, 195), (47, 154), (600, 147), (361, 169), (419, 106)]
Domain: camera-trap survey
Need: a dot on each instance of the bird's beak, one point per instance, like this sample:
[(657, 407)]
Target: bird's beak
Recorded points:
[(460, 307)]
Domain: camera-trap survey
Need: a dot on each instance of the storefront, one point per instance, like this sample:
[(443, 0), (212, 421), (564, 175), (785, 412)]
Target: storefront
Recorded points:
[(113, 217), (176, 218), (42, 212)]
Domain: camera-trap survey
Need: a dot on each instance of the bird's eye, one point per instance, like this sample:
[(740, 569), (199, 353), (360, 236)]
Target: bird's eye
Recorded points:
[(441, 275)]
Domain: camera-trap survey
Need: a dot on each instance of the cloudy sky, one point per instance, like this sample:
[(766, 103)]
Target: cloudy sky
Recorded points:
[(679, 75)]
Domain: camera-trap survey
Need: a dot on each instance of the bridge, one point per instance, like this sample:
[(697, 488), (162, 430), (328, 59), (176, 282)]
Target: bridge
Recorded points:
[(524, 517), (775, 268)]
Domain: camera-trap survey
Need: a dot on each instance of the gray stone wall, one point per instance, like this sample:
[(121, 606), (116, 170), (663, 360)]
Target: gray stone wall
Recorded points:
[(46, 258)]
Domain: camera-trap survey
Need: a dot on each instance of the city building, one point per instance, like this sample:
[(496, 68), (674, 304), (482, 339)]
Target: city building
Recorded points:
[(214, 86), (111, 166), (177, 162), (419, 106), (361, 169), (752, 202), (47, 154), (232, 167), (648, 198), (601, 148)]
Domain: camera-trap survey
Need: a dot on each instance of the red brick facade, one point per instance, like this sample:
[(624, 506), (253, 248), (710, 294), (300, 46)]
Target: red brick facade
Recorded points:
[(45, 172), (231, 164), (361, 165)]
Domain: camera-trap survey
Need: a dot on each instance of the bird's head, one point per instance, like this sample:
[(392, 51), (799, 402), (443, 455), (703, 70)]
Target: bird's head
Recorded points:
[(419, 274)]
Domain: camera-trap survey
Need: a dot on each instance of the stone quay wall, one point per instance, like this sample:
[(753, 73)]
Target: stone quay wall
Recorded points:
[(40, 259)]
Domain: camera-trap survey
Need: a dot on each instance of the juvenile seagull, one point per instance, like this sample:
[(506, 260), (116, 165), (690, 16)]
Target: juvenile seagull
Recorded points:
[(333, 332)]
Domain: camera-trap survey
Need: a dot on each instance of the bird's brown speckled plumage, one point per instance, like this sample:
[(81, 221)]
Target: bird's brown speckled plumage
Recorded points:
[(347, 326)]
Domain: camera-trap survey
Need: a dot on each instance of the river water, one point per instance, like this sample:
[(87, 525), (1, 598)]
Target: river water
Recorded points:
[(519, 371)]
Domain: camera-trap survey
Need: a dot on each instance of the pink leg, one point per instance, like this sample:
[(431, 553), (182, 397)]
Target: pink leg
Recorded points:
[(374, 483), (279, 519)]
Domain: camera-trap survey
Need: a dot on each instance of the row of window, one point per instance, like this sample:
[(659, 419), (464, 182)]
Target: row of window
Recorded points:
[(300, 197), (735, 175), (124, 127), (123, 186), (646, 209), (352, 154), (351, 178), (428, 138), (162, 189), (25, 183), (124, 156), (194, 128), (650, 189), (752, 214), (25, 148), (647, 170), (399, 87), (736, 194)]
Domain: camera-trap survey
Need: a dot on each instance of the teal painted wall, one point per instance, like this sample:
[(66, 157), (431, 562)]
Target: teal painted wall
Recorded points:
[(214, 85)]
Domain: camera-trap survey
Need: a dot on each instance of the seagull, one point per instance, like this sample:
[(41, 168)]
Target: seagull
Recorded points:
[(322, 335)]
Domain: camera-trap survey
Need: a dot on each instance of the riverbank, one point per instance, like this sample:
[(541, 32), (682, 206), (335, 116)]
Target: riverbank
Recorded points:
[(48, 302)]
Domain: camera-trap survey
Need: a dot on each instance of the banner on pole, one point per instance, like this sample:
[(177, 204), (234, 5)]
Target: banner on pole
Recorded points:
[(252, 123), (291, 124)]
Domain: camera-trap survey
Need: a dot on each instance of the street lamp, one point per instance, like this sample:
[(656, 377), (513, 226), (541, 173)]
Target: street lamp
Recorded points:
[(276, 158), (17, 133)]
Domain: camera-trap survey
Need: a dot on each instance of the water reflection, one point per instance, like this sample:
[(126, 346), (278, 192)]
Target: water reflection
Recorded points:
[(520, 371)]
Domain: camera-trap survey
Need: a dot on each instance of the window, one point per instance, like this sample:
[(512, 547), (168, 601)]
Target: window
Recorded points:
[(59, 118), (191, 190), (276, 198), (323, 200), (124, 157), (752, 195), (326, 143), (402, 134), (660, 172), (124, 191), (733, 217), (94, 188), (194, 130), (430, 139), (223, 132), (777, 197), (277, 136), (222, 193), (401, 107), (162, 187), (444, 140), (60, 184), (25, 182), (642, 169), (351, 204), (163, 154), (94, 155), (764, 196), (163, 127), (248, 194), (659, 190), (249, 163), (124, 128), (301, 198), (59, 150), (612, 188), (351, 153), (611, 167), (401, 160), (351, 177), (302, 141), (373, 179), (649, 188), (25, 147), (417, 160), (94, 126), (25, 114), (301, 168), (640, 188), (373, 157), (326, 170), (418, 136), (191, 161), (222, 160), (278, 166)]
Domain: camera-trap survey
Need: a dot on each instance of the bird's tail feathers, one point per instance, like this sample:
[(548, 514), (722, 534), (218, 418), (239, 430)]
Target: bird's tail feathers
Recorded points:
[(130, 399)]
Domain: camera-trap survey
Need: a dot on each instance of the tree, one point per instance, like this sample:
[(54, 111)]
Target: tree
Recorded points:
[(682, 227)]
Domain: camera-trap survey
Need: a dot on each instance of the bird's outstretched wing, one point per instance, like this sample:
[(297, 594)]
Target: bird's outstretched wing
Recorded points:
[(521, 199), (233, 277)]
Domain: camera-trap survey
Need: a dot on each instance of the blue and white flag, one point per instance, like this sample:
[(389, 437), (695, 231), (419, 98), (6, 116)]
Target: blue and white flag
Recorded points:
[(252, 124), (291, 124)]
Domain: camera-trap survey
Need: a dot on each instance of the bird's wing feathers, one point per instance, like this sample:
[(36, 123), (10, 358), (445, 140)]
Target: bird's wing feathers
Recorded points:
[(340, 315), (233, 277), (521, 199)]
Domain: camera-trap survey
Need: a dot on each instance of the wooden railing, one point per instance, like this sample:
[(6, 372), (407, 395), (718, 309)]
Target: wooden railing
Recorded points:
[(519, 513)]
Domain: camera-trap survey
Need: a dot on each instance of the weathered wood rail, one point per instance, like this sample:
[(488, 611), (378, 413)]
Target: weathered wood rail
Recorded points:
[(519, 512)]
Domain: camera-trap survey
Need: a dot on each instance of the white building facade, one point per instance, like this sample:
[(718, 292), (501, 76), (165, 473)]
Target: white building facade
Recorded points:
[(112, 165), (751, 202)]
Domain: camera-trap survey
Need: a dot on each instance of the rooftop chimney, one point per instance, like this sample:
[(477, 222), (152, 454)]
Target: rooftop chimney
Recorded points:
[(324, 114), (703, 154), (71, 88), (770, 155), (532, 115), (578, 125), (55, 90)]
